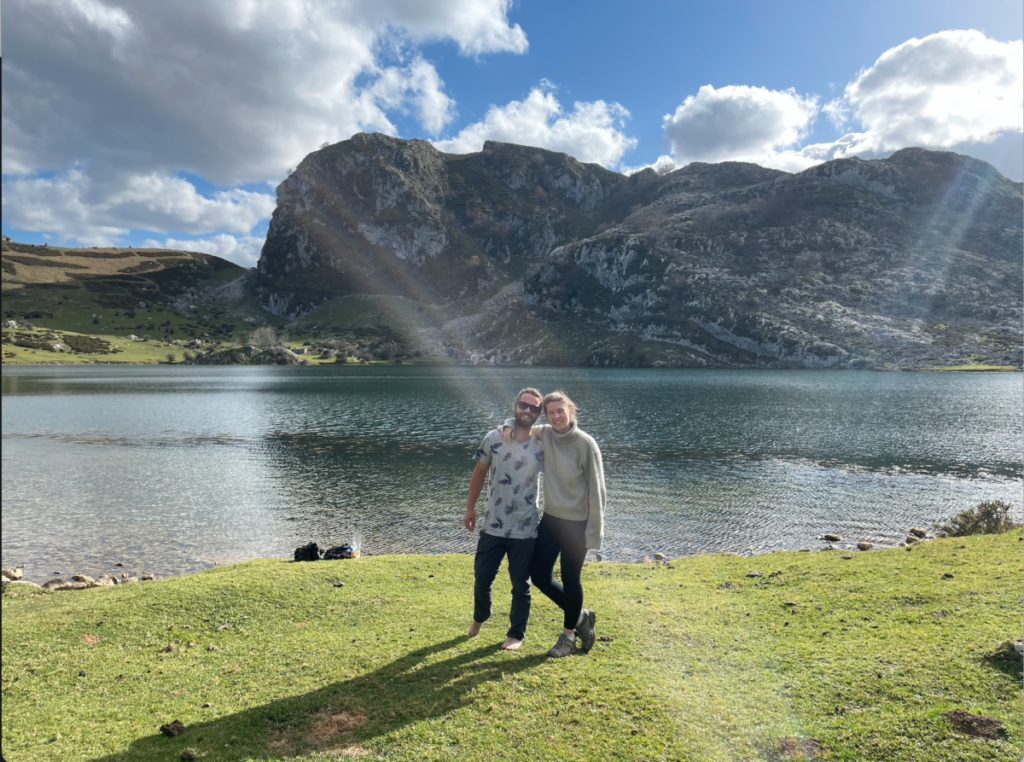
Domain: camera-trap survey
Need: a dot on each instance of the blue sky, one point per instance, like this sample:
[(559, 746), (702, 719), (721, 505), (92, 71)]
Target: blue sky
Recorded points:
[(134, 123)]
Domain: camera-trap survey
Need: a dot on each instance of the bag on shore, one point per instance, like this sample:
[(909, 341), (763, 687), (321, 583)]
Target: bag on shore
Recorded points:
[(310, 552), (338, 552)]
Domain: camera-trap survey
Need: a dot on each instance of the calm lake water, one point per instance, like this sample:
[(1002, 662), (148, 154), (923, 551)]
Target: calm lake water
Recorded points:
[(174, 469)]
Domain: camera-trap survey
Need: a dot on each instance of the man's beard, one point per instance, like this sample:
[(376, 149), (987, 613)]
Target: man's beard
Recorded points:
[(525, 419)]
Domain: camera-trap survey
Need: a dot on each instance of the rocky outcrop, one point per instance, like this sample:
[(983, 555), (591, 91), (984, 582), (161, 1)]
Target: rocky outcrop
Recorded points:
[(907, 262)]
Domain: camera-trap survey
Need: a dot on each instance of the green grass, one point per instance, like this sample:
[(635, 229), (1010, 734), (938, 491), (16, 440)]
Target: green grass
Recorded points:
[(134, 352), (863, 654), (976, 366)]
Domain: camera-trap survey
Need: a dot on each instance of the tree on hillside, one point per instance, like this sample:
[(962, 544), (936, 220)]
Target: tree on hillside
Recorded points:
[(263, 337)]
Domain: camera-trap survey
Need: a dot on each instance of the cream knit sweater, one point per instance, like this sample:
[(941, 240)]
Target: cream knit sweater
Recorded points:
[(573, 479)]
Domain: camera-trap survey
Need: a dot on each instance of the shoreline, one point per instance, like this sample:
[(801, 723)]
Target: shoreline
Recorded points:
[(388, 363), (124, 574)]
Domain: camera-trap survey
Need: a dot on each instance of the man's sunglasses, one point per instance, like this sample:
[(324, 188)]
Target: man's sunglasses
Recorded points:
[(524, 406)]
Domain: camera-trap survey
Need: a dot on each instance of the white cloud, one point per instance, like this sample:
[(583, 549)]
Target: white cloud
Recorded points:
[(132, 93), (591, 132), (947, 89), (419, 84), (242, 250), (738, 123), (76, 208), (236, 91), (662, 165), (954, 90)]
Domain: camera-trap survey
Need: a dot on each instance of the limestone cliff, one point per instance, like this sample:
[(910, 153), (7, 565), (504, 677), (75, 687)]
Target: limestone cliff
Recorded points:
[(520, 255)]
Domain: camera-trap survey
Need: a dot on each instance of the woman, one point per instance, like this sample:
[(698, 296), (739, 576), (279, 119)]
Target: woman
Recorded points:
[(574, 499)]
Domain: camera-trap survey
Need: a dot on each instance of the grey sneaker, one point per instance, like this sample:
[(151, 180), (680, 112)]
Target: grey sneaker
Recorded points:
[(564, 647), (585, 630)]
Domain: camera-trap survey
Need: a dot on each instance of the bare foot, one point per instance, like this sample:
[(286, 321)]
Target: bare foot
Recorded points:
[(474, 629), (511, 645)]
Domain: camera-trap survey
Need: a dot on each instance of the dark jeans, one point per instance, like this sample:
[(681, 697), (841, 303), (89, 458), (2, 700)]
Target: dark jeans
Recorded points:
[(489, 552), (556, 536)]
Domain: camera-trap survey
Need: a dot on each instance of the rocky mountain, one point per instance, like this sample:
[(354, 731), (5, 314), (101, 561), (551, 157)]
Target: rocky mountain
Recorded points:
[(520, 255)]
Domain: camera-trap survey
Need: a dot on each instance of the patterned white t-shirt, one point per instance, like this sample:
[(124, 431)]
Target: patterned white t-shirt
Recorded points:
[(512, 485)]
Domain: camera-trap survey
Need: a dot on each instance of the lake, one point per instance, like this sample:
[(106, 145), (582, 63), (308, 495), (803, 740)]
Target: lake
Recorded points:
[(172, 469)]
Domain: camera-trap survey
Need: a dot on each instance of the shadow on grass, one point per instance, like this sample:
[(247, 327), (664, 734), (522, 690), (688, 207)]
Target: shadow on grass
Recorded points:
[(1006, 660), (341, 715)]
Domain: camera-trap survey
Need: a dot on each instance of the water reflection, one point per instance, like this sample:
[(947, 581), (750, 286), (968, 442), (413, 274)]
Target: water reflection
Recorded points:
[(171, 470)]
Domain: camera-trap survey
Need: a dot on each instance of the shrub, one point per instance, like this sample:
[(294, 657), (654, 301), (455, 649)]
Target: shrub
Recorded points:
[(264, 337), (89, 345), (990, 517)]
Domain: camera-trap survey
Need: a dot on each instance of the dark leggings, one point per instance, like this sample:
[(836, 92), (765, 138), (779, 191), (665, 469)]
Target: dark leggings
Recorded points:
[(556, 536)]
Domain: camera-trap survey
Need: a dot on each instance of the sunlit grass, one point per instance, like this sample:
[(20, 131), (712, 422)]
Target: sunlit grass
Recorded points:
[(859, 654), (975, 366)]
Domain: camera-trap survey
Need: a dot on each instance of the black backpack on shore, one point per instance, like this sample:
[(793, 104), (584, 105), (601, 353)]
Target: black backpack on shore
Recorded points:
[(310, 552), (338, 552)]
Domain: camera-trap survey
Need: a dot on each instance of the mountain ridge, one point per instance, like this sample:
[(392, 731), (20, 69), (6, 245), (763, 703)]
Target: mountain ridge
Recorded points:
[(520, 255)]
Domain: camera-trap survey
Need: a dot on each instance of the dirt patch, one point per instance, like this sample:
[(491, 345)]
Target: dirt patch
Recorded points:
[(788, 748), (91, 640), (350, 751), (328, 725), (325, 731), (975, 725)]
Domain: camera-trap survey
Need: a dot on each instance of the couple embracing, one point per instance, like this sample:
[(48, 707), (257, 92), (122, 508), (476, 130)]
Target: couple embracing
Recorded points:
[(510, 461)]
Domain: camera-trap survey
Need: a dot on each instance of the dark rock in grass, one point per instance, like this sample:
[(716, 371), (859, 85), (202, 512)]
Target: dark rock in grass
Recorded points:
[(975, 725), (188, 755), (864, 546), (605, 639), (211, 648), (832, 538), (919, 533), (755, 574), (947, 575), (175, 728)]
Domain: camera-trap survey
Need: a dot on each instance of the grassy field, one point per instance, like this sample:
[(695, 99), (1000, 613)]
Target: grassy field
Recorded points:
[(828, 655)]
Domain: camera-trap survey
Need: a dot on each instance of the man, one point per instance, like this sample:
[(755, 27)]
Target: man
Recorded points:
[(509, 527)]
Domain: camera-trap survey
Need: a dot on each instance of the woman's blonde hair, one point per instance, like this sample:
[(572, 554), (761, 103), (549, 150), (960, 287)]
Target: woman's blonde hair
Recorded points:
[(560, 396)]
